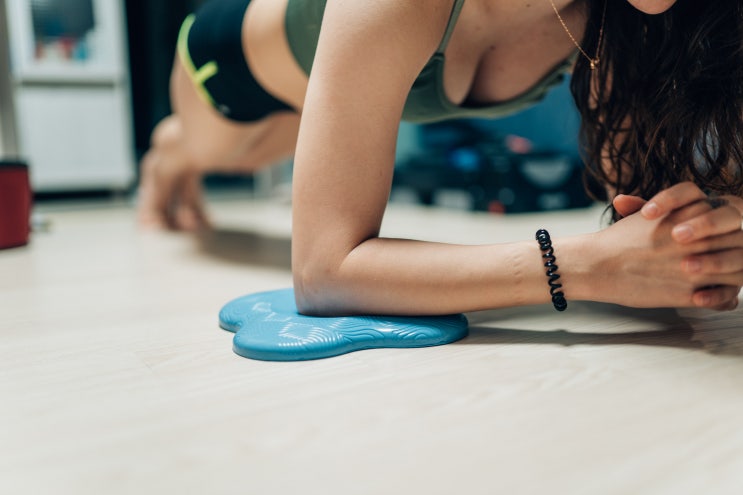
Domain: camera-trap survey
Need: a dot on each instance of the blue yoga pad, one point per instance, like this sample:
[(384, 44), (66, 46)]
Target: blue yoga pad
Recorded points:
[(268, 327)]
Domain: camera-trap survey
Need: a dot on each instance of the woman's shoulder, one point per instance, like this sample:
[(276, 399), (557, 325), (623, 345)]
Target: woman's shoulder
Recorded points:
[(398, 18), (381, 46)]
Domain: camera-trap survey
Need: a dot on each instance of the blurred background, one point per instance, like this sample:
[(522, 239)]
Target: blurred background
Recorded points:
[(84, 82)]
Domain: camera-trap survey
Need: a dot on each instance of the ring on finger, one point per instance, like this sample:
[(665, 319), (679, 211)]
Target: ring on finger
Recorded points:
[(716, 202)]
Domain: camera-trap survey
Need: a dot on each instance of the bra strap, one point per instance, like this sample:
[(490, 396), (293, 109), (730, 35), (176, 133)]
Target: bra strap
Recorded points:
[(456, 9)]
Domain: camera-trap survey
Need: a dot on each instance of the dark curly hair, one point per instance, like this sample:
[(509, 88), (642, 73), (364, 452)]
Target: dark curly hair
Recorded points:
[(665, 104)]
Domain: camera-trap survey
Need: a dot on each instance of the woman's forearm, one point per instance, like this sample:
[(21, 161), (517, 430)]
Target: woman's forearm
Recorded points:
[(396, 276)]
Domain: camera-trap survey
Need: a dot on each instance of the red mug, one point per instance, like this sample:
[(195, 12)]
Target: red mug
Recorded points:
[(15, 204)]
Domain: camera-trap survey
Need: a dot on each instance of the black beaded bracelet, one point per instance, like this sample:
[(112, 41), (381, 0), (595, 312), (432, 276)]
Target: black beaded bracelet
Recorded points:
[(545, 244)]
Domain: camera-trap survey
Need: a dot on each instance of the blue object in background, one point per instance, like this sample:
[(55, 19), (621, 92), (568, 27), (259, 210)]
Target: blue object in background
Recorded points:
[(552, 125), (529, 161), (268, 327)]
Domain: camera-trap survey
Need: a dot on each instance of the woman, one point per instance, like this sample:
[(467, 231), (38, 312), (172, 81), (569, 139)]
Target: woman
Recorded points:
[(658, 84)]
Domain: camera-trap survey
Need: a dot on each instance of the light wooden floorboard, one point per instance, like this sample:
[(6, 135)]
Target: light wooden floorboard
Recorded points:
[(115, 378)]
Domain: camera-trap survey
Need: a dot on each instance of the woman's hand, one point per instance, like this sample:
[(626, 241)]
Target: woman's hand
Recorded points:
[(641, 264), (708, 237), (724, 218), (171, 201)]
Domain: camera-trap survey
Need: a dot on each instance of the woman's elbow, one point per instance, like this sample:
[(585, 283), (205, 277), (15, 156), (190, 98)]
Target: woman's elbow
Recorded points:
[(313, 283)]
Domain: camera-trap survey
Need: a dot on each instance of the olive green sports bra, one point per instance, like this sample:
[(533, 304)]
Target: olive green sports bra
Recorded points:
[(427, 101)]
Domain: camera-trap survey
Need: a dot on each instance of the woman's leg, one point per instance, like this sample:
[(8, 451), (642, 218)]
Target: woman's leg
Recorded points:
[(195, 140)]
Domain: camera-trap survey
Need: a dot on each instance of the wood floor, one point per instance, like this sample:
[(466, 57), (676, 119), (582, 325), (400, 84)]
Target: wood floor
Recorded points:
[(115, 378)]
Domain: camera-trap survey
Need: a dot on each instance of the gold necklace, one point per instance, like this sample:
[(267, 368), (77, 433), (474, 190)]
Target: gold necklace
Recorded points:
[(593, 61)]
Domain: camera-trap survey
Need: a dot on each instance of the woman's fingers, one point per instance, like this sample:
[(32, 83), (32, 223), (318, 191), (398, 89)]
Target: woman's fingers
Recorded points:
[(155, 192), (723, 214), (626, 205), (735, 202), (720, 262), (732, 240), (671, 199), (721, 220), (724, 298), (189, 212)]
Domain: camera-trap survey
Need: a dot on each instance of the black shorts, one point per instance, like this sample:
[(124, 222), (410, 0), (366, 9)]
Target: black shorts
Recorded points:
[(210, 48)]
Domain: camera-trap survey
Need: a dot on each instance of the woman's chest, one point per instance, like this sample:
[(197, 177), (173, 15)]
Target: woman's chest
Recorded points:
[(497, 54)]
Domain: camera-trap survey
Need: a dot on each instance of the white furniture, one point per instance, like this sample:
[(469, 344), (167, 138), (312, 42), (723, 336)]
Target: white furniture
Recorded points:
[(8, 141), (70, 85)]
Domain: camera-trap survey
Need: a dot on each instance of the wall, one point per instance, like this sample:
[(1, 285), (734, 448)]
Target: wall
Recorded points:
[(153, 27)]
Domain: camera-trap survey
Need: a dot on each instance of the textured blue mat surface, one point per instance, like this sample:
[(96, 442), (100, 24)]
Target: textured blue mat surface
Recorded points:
[(268, 327)]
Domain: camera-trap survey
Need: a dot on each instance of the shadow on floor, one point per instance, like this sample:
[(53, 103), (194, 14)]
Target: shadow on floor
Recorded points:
[(720, 333), (674, 337), (243, 247)]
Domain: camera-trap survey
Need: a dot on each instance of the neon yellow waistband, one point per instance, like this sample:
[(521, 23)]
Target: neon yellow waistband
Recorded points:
[(201, 75)]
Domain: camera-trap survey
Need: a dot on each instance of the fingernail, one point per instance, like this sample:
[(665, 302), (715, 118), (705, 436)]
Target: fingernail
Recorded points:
[(650, 210), (682, 233)]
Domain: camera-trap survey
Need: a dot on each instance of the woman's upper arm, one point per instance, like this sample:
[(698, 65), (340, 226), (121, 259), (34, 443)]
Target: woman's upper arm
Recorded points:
[(368, 56)]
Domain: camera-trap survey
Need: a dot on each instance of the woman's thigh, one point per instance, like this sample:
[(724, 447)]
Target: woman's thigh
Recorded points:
[(208, 138), (223, 110)]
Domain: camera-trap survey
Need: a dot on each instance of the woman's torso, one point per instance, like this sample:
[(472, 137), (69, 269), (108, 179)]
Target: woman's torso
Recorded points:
[(501, 54)]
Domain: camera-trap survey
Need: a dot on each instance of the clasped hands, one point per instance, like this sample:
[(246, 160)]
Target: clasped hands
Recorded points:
[(680, 248)]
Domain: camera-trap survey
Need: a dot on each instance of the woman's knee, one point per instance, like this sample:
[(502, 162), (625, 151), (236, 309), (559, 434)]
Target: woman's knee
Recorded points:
[(168, 132)]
